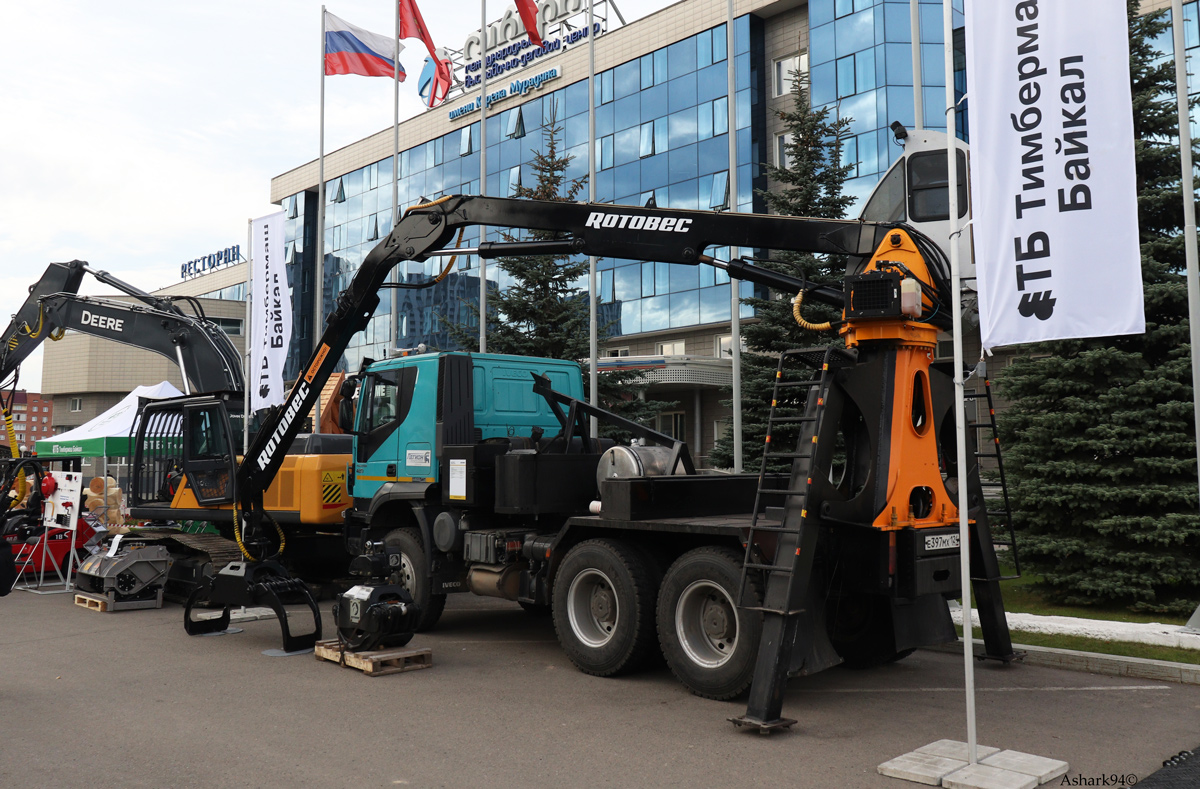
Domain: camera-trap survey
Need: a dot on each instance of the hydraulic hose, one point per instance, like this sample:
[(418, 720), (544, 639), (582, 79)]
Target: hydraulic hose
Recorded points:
[(237, 533), (15, 451), (826, 326)]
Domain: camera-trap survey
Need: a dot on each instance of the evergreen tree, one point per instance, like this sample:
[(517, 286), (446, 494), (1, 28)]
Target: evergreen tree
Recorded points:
[(811, 186), (1100, 434), (544, 311)]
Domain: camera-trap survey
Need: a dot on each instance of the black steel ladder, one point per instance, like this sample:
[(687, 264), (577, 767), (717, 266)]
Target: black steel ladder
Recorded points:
[(989, 447), (797, 405)]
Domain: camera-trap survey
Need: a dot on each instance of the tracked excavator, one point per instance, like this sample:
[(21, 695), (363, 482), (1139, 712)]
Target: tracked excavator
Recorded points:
[(211, 368)]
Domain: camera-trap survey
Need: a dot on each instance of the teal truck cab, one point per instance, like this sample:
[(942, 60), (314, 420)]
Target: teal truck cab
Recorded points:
[(428, 431)]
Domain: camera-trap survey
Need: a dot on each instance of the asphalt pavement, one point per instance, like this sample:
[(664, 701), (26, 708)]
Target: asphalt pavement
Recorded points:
[(127, 699)]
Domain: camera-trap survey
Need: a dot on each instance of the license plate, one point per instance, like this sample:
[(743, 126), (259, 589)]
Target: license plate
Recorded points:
[(940, 542)]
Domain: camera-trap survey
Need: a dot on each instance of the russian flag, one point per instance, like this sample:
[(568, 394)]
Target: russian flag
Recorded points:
[(352, 50)]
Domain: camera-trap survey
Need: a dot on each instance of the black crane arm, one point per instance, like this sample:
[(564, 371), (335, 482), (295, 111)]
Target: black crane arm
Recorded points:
[(207, 356), (587, 228), (28, 327)]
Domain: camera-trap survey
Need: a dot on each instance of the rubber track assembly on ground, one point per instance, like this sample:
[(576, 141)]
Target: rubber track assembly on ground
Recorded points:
[(219, 550)]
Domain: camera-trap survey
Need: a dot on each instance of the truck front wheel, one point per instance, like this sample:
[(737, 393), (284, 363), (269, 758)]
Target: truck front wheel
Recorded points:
[(709, 644), (604, 606), (411, 570)]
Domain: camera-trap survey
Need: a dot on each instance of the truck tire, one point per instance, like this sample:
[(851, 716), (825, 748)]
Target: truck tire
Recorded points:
[(604, 606), (413, 575), (710, 646)]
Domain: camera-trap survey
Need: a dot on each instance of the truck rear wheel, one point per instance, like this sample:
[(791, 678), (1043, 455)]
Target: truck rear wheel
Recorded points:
[(604, 606), (412, 572), (709, 644)]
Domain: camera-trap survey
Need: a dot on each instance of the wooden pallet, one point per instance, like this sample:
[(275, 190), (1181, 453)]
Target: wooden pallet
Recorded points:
[(91, 602), (377, 663)]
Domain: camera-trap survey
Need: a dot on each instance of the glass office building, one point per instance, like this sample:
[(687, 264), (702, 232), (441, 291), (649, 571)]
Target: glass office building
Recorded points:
[(661, 97)]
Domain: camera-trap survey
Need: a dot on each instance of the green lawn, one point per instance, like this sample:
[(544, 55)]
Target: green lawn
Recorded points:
[(1020, 597)]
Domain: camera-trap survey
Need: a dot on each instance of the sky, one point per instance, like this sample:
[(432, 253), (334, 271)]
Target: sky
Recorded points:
[(140, 135)]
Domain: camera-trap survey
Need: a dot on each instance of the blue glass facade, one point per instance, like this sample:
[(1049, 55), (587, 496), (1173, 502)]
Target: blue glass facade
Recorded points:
[(661, 133), (860, 65), (1191, 43)]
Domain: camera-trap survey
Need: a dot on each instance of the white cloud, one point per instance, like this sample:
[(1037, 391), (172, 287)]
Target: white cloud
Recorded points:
[(139, 135)]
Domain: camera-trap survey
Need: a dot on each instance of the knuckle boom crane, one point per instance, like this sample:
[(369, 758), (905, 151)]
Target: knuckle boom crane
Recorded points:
[(805, 570)]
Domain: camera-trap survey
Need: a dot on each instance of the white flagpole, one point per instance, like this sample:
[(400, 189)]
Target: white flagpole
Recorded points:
[(914, 23), (320, 262), (964, 534), (482, 169), (1189, 201), (593, 339), (735, 322), (248, 333), (396, 274)]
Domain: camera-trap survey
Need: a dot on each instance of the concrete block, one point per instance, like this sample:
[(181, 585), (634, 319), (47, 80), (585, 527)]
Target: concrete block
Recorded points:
[(1038, 766), (982, 776), (920, 768), (953, 749)]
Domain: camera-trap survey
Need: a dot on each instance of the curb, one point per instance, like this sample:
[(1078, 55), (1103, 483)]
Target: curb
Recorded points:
[(1096, 663)]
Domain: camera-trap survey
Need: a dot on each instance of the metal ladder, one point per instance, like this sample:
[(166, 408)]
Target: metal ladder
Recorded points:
[(819, 364), (1004, 513)]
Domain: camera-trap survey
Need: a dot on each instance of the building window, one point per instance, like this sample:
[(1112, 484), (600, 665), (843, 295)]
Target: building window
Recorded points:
[(782, 160), (465, 147), (723, 346), (845, 77), (671, 348), (231, 326), (45, 419), (673, 423), (615, 353), (604, 153), (787, 70), (35, 408), (76, 404), (515, 129), (719, 198), (514, 180)]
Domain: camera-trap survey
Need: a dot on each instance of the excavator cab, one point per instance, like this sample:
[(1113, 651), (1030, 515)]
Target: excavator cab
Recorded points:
[(185, 440), (915, 190)]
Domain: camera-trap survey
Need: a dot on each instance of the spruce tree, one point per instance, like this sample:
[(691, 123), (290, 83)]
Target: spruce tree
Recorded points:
[(543, 311), (811, 185), (1100, 437)]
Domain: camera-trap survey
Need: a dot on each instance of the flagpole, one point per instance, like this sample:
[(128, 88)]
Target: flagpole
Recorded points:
[(320, 262), (248, 333), (914, 24), (960, 410), (1189, 203), (395, 306), (482, 169), (735, 320), (593, 339)]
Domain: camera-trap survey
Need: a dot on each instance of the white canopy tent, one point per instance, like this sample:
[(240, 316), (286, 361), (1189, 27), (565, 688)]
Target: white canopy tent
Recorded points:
[(108, 435)]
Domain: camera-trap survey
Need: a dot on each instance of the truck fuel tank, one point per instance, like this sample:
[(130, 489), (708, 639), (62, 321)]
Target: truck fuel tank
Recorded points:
[(634, 461)]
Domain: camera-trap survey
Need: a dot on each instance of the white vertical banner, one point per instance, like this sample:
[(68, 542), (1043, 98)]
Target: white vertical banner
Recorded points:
[(1053, 185), (271, 319)]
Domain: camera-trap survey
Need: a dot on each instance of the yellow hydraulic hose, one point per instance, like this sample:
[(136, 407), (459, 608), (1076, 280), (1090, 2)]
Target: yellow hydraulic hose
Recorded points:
[(19, 486), (237, 533), (826, 326)]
